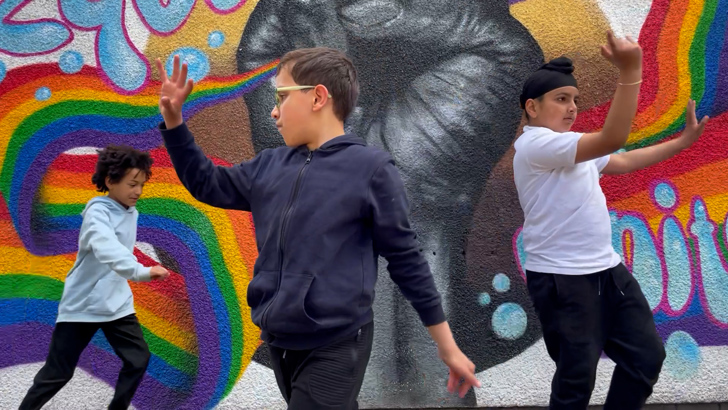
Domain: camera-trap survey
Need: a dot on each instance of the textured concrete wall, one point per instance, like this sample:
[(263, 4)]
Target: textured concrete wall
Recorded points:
[(440, 84)]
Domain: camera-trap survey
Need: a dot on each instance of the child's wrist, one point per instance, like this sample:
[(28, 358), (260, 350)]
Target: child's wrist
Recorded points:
[(173, 121), (630, 76)]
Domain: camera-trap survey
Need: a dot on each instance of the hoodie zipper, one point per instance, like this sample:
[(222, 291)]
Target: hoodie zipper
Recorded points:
[(284, 222)]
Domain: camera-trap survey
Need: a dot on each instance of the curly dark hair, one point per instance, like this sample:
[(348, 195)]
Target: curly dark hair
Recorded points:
[(115, 161)]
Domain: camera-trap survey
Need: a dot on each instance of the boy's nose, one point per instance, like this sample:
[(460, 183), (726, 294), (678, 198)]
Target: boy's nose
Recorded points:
[(274, 113)]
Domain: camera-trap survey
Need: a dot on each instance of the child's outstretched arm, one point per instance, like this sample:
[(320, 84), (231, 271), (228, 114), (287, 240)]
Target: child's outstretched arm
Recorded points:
[(644, 157), (626, 55), (98, 235), (408, 268), (220, 186)]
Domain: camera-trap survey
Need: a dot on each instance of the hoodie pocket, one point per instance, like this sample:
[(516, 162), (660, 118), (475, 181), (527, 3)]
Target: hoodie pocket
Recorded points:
[(109, 295), (260, 293), (287, 313)]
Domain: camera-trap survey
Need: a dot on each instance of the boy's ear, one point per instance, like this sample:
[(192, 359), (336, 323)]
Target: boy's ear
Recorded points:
[(321, 97), (530, 108)]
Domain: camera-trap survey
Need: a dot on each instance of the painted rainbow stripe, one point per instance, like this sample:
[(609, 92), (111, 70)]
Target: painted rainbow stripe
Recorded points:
[(685, 56), (197, 324)]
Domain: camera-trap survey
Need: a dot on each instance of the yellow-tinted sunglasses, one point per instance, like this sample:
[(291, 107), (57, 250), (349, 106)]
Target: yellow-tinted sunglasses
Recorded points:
[(292, 88)]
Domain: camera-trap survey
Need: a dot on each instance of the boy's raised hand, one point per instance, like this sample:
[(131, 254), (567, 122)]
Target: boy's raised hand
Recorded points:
[(173, 93), (693, 129), (625, 54)]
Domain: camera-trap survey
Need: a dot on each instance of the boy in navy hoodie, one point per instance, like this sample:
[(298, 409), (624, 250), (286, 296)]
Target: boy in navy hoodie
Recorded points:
[(325, 207)]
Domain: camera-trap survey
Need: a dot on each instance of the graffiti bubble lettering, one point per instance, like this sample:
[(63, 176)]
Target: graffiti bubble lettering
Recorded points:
[(29, 37), (119, 60)]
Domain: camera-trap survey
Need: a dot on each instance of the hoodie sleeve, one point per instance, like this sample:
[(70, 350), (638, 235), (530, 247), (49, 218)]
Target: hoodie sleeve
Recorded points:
[(98, 235), (396, 242), (215, 185)]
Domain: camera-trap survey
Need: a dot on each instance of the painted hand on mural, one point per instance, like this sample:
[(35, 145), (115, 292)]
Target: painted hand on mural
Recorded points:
[(439, 87)]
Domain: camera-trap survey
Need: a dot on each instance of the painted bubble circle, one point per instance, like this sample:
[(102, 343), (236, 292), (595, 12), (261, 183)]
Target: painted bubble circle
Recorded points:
[(484, 299), (665, 195), (43, 94), (683, 355), (71, 62), (216, 39), (501, 283), (2, 71), (198, 65), (509, 321)]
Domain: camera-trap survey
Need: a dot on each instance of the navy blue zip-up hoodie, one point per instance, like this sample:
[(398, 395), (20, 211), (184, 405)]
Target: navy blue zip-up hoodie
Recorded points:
[(321, 218)]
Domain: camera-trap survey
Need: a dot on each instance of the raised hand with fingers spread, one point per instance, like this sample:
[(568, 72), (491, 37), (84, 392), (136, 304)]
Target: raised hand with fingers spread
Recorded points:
[(174, 92), (693, 129)]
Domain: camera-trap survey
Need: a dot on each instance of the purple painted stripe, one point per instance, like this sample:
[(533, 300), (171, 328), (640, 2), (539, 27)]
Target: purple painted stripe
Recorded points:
[(208, 342), (30, 341), (200, 304), (705, 332)]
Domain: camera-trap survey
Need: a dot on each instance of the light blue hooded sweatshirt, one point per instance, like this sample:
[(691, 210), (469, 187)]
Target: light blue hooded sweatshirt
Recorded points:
[(96, 287)]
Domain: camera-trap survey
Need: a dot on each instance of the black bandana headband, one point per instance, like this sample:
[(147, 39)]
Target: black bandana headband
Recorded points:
[(555, 74)]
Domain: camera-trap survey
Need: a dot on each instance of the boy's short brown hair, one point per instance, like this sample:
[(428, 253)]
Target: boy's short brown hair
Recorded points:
[(328, 67)]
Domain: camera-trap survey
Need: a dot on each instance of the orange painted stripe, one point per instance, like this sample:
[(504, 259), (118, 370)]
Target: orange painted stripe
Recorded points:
[(707, 181), (174, 310), (82, 180), (245, 237), (8, 236), (667, 50)]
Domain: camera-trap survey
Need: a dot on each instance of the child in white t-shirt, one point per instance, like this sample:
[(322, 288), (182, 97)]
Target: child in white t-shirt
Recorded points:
[(586, 299)]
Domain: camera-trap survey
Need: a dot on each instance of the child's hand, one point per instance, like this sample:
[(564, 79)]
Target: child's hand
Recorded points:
[(174, 92), (158, 273), (462, 371), (693, 129), (625, 54)]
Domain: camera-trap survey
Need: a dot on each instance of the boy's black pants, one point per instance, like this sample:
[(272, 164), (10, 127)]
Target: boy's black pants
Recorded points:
[(583, 315), (325, 378), (70, 339)]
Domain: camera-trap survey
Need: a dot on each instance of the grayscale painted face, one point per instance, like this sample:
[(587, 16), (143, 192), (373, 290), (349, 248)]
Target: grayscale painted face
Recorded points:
[(439, 90)]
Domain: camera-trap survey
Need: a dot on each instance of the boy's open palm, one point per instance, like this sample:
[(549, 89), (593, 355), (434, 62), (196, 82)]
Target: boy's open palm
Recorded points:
[(625, 54), (174, 92), (693, 129)]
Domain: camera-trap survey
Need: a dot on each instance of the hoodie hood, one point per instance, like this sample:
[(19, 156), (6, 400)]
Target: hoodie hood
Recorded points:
[(340, 142), (109, 204)]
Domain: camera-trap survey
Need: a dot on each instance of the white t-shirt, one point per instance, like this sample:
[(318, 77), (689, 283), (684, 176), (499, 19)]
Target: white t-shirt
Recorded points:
[(567, 229)]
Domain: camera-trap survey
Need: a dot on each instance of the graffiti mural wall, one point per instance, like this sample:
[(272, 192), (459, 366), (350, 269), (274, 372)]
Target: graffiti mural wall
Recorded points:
[(440, 82)]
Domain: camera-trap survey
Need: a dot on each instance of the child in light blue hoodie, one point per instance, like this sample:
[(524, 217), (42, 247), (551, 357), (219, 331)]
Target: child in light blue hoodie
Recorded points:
[(96, 294)]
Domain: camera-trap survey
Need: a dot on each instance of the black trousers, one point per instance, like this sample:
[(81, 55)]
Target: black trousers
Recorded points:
[(583, 315), (70, 339), (324, 378)]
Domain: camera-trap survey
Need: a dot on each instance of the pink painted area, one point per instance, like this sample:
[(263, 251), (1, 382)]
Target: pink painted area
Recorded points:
[(698, 264), (9, 21), (521, 269), (223, 12), (664, 305), (161, 33), (629, 262), (105, 78)]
